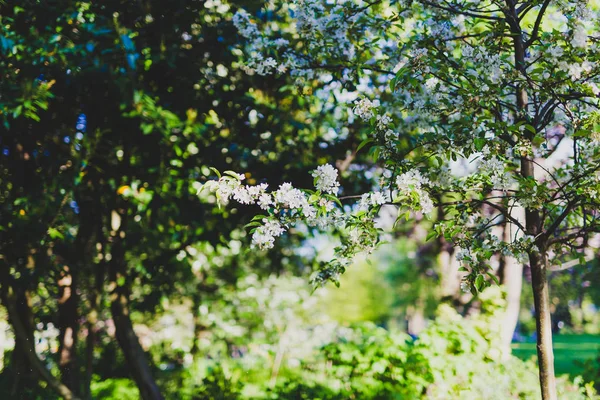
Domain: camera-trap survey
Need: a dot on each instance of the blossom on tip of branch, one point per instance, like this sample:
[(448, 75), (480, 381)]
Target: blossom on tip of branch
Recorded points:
[(326, 179)]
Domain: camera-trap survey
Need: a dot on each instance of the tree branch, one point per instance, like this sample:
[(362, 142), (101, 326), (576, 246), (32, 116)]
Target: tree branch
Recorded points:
[(461, 12), (536, 25)]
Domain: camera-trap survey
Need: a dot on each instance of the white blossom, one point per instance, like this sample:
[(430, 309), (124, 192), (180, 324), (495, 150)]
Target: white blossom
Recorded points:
[(464, 287), (326, 179), (241, 20), (411, 180), (265, 201), (378, 198), (290, 197), (383, 121), (264, 236), (364, 108), (580, 37), (241, 195)]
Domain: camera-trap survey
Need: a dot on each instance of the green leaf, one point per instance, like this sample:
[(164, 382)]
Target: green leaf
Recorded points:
[(479, 282), (431, 235), (233, 174), (216, 171), (479, 143), (363, 144), (55, 233), (530, 128), (494, 278)]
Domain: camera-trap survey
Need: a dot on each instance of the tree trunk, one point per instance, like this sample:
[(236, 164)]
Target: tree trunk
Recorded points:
[(538, 264), (79, 259), (415, 319), (449, 269), (23, 371), (92, 321), (513, 285), (199, 325), (9, 299), (511, 277), (135, 356), (533, 225), (68, 323), (543, 322)]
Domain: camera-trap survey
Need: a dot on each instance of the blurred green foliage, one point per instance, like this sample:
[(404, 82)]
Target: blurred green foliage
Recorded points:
[(453, 358)]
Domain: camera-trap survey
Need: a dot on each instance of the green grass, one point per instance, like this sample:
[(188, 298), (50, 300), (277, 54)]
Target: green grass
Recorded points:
[(567, 348)]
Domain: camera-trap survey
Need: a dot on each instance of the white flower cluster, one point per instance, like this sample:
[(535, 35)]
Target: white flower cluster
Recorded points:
[(411, 182), (264, 236), (326, 29), (289, 203), (287, 206), (245, 27), (326, 179), (462, 255), (364, 108), (465, 287), (375, 199), (288, 197), (249, 194), (258, 46), (494, 168), (580, 37), (520, 248), (225, 187), (574, 69), (490, 65), (334, 218), (383, 122)]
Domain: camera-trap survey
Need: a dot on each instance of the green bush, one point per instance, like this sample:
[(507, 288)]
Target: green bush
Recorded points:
[(115, 389), (454, 358)]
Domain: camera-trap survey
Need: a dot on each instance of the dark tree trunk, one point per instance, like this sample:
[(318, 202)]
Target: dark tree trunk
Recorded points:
[(199, 326), (543, 322), (68, 323), (22, 329), (78, 259), (92, 321), (135, 356), (533, 226), (24, 373)]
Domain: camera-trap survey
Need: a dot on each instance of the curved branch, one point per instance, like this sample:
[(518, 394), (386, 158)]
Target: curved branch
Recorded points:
[(461, 12), (536, 25)]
